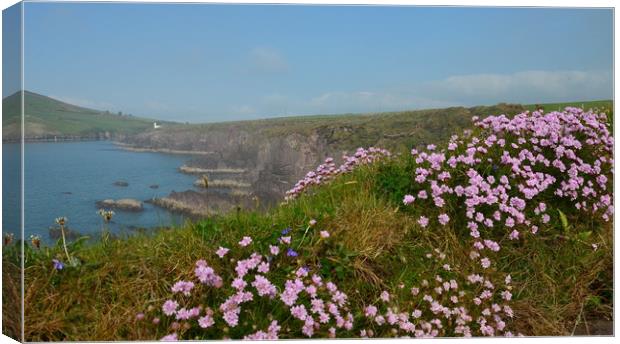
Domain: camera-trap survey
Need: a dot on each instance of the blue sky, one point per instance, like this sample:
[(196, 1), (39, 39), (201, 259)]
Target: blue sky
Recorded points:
[(205, 63)]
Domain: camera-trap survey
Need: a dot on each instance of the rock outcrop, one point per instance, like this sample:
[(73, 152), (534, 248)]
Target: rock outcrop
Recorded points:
[(126, 204)]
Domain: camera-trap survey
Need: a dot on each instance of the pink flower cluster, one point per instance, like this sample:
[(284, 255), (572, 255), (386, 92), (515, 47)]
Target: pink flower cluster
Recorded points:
[(315, 303), (446, 305), (512, 167), (271, 334), (327, 305), (328, 169), (207, 275)]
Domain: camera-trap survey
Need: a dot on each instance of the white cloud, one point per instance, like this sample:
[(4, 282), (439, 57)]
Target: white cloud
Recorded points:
[(526, 86), (458, 90), (268, 60)]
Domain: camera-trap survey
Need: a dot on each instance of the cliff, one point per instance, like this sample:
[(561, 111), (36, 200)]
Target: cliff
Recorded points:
[(275, 153)]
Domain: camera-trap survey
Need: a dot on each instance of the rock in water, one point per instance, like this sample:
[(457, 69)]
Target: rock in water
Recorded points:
[(154, 186), (127, 204), (121, 183)]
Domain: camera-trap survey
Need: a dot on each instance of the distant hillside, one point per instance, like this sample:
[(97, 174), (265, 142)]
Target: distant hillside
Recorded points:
[(47, 118)]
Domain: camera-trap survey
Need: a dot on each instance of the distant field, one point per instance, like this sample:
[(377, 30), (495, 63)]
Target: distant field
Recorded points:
[(599, 104), (49, 117)]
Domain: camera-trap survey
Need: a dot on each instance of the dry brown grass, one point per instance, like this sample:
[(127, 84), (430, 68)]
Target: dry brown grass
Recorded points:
[(99, 301), (553, 296), (11, 296)]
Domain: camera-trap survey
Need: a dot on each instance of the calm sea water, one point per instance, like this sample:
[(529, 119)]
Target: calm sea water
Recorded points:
[(67, 179)]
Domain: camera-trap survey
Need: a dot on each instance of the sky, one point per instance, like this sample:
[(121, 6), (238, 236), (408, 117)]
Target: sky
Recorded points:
[(208, 63)]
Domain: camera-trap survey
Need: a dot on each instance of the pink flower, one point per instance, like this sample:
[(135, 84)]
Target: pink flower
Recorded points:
[(312, 222), (274, 250), (514, 235), (263, 286), (506, 295), (408, 199), (286, 240), (370, 311), (443, 219), (183, 287), (299, 312), (238, 283), (485, 262), (324, 234), (263, 267), (423, 221), (245, 241), (385, 296), (221, 252), (170, 307), (170, 338)]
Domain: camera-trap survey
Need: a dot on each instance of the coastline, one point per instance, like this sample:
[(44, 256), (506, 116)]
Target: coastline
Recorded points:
[(133, 148)]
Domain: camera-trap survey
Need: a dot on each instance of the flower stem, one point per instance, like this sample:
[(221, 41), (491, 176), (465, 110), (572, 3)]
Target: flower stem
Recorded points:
[(64, 242)]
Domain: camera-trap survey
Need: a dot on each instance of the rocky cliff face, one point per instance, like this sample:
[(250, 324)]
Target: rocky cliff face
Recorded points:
[(271, 164), (274, 154)]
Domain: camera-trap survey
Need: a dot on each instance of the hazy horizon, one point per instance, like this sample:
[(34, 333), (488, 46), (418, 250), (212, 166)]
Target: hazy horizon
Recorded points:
[(211, 63)]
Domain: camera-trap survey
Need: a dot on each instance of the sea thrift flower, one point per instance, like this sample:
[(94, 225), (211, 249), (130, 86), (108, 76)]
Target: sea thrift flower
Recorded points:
[(184, 287), (274, 250), (514, 235), (312, 222), (324, 234), (443, 219), (245, 241), (221, 252), (263, 267), (206, 321), (170, 307), (408, 199), (385, 296), (423, 221), (370, 311), (263, 286)]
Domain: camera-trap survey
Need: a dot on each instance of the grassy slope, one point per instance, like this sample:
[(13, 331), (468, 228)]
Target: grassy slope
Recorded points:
[(375, 244), (47, 116)]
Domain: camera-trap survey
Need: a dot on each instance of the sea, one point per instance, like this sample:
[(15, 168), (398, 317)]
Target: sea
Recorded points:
[(67, 179)]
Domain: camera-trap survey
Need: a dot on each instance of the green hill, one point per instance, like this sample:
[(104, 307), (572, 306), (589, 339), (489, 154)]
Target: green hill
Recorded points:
[(46, 117)]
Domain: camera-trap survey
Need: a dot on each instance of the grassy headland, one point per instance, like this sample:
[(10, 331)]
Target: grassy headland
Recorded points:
[(46, 117), (561, 276)]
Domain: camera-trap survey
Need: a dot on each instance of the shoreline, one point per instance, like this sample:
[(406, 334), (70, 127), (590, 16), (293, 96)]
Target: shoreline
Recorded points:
[(133, 148), (55, 140)]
